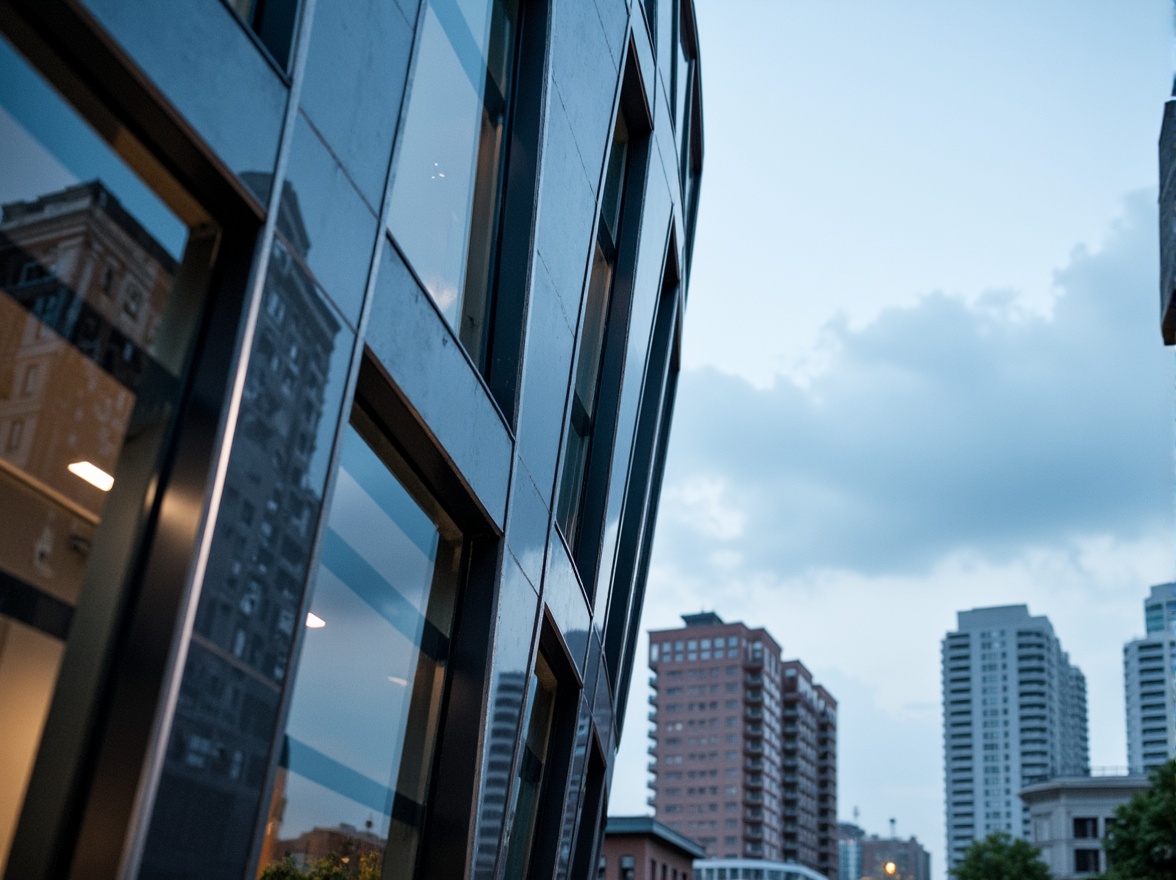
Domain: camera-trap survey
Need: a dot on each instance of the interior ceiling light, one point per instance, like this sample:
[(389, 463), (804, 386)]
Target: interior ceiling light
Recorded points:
[(314, 621), (92, 474)]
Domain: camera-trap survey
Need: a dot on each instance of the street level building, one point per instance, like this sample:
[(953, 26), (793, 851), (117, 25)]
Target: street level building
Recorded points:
[(752, 869), (1014, 711), (744, 745), (338, 351), (1069, 817), (910, 860), (1149, 677), (641, 848)]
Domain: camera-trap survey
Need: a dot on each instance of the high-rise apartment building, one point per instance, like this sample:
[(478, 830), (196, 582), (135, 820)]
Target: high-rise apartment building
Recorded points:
[(808, 806), (744, 745), (338, 349), (1149, 674), (1014, 711)]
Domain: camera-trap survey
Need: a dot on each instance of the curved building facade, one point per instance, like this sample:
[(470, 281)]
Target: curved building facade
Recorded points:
[(338, 351)]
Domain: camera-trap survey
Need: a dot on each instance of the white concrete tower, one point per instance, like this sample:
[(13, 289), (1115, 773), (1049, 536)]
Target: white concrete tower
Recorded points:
[(1149, 672), (1014, 712)]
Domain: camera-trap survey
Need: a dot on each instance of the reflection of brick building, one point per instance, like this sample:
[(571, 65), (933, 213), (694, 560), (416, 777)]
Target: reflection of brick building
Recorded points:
[(745, 749), (344, 840), (84, 288)]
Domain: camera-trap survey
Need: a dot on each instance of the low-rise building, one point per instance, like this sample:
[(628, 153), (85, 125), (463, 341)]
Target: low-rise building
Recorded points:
[(753, 869), (641, 848), (1068, 819)]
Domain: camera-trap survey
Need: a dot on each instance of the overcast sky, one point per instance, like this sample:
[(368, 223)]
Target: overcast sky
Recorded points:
[(923, 369)]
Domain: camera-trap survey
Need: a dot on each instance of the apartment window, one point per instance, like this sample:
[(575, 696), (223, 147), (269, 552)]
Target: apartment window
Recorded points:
[(373, 658), (1086, 861), (450, 188), (1085, 828), (273, 22)]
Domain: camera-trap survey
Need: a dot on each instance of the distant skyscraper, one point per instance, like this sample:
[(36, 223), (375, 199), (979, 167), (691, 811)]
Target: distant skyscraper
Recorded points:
[(745, 747), (1149, 671), (1014, 711)]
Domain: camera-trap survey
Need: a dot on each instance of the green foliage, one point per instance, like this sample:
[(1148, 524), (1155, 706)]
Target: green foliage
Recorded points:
[(1001, 857), (1141, 845), (329, 867)]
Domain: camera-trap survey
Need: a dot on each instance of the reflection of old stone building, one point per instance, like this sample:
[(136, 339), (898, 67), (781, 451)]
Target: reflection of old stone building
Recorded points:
[(84, 285)]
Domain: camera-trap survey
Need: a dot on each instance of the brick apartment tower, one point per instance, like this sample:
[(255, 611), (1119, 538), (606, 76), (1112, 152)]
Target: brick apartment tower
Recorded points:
[(744, 745)]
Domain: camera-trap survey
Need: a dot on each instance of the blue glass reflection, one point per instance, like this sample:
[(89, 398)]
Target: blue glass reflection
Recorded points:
[(359, 736)]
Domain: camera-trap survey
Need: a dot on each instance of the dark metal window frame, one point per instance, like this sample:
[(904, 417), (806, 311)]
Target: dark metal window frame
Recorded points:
[(500, 367), (585, 545), (84, 792)]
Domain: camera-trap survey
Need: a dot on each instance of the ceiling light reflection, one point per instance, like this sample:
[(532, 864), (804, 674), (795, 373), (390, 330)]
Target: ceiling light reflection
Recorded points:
[(395, 679), (314, 621), (92, 474)]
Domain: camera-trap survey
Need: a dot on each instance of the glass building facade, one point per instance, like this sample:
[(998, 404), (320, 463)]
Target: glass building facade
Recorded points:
[(338, 351)]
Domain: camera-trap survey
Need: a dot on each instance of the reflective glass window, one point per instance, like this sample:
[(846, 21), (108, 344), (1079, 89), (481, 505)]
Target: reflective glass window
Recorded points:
[(449, 175), (358, 743), (593, 331), (97, 292), (273, 21), (528, 782)]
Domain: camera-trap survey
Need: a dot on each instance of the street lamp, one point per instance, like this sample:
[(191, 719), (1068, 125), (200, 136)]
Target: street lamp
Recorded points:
[(890, 868)]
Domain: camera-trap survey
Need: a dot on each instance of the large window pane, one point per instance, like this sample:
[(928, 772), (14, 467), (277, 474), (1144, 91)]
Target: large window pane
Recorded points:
[(447, 192), (591, 346), (359, 737), (528, 784), (95, 328)]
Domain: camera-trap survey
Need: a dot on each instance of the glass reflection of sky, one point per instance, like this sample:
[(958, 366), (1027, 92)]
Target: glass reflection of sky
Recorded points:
[(434, 187), (32, 114), (352, 691)]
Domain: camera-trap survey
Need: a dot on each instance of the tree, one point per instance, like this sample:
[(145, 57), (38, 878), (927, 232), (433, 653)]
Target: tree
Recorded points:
[(1141, 842), (1001, 857)]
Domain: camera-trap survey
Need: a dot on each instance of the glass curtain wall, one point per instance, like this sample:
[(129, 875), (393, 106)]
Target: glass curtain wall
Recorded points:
[(349, 792), (98, 305), (450, 164), (593, 334)]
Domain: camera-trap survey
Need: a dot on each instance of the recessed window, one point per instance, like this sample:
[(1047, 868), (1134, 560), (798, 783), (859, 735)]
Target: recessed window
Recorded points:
[(448, 191), (358, 745), (273, 22), (585, 391), (528, 785)]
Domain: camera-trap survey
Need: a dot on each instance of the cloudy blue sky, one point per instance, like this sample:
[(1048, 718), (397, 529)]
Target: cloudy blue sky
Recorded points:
[(923, 369)]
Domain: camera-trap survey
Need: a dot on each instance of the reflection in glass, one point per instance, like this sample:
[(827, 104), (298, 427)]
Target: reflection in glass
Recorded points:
[(91, 346), (582, 417), (273, 21), (529, 777), (218, 750), (358, 744), (447, 193)]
